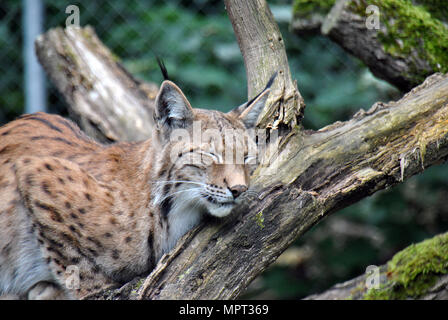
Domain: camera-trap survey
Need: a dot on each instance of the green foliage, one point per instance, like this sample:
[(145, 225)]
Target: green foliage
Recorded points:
[(437, 8), (303, 8), (11, 97), (199, 50)]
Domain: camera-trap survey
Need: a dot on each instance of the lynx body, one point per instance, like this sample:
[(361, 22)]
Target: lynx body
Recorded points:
[(109, 212)]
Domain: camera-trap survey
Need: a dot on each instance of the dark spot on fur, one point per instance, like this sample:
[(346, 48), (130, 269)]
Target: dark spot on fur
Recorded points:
[(54, 213), (67, 205), (5, 149), (46, 188), (165, 207), (116, 254), (88, 196), (96, 242), (152, 257), (46, 122), (6, 249), (128, 239), (48, 166), (29, 179), (82, 210), (59, 139), (57, 153), (162, 172), (93, 252)]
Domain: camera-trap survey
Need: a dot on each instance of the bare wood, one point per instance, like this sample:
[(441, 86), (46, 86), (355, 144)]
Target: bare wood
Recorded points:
[(263, 50), (108, 101)]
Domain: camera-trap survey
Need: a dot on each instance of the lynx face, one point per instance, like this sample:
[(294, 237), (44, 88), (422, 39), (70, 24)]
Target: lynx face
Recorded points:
[(209, 153)]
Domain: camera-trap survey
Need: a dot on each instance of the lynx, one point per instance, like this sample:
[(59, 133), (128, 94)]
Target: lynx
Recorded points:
[(110, 212)]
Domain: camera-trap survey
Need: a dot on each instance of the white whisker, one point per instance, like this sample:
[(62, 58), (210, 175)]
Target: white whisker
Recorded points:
[(177, 192), (182, 181)]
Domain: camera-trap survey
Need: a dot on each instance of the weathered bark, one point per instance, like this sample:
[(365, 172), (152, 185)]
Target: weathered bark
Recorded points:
[(354, 290), (313, 175), (388, 283), (263, 50), (108, 102), (347, 24)]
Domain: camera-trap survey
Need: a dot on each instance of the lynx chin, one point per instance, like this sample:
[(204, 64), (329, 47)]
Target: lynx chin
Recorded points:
[(111, 210)]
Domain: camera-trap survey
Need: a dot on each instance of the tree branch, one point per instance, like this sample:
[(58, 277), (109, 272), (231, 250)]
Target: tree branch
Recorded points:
[(263, 50), (393, 49), (110, 104), (418, 272)]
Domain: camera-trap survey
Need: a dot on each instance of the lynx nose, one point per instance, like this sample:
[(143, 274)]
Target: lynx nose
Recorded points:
[(237, 190)]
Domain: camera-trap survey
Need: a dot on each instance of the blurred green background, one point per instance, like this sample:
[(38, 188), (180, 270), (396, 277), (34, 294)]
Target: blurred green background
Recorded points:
[(196, 41)]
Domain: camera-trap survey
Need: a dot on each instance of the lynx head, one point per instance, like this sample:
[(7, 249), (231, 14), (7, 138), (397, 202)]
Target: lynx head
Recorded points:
[(206, 154)]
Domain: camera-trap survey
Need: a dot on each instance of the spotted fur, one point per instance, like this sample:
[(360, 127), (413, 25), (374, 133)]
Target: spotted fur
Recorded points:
[(111, 211)]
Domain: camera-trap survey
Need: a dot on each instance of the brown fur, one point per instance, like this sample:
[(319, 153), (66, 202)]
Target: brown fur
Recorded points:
[(110, 211)]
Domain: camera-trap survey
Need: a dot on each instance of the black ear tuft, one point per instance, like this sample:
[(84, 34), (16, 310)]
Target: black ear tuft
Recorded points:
[(162, 68), (268, 86), (172, 107)]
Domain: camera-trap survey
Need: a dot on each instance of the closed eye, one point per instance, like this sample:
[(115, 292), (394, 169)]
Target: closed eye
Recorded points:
[(211, 155), (249, 159), (199, 167)]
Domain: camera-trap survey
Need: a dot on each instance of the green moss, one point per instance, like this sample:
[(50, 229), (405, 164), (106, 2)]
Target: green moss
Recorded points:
[(303, 8), (414, 270), (411, 29), (438, 9), (259, 219), (139, 284)]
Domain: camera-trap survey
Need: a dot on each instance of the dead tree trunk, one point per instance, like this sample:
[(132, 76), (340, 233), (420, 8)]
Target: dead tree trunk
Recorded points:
[(313, 174)]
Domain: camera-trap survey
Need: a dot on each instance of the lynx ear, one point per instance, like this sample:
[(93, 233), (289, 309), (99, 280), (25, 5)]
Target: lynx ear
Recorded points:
[(249, 111), (172, 108)]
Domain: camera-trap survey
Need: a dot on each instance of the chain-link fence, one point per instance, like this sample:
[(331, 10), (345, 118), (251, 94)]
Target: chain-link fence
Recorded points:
[(196, 40)]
